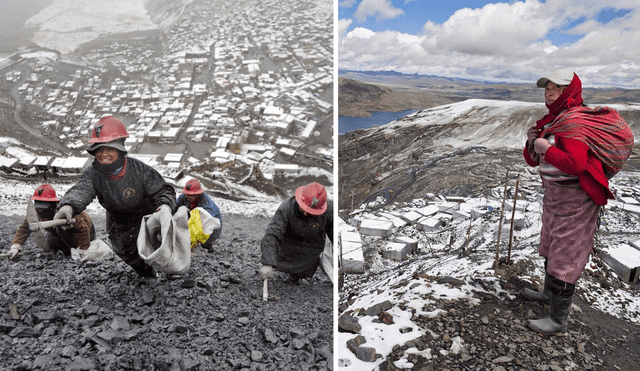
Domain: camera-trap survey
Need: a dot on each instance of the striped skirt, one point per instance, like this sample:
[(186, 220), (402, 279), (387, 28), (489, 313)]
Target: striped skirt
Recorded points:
[(569, 220)]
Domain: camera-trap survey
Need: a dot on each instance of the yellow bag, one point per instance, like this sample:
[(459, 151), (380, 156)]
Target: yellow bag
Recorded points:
[(195, 229)]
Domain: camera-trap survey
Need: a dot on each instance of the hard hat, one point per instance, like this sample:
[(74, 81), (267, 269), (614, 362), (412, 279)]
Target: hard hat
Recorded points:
[(192, 187), (45, 192), (312, 198), (109, 132)]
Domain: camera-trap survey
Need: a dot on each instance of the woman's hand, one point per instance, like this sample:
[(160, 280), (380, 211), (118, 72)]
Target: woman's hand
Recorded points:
[(541, 146), (532, 134)]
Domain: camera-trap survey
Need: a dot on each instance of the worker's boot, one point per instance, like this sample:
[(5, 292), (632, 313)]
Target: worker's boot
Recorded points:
[(560, 298), (539, 296), (143, 269)]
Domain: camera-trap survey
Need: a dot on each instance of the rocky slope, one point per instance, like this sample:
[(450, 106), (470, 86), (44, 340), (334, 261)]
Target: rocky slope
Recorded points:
[(59, 314), (358, 99), (457, 149)]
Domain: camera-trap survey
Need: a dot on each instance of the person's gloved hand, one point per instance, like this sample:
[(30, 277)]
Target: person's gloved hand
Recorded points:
[(65, 213), (164, 207), (15, 249), (541, 146), (266, 271)]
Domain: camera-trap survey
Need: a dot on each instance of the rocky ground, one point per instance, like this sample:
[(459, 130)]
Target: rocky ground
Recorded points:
[(494, 330), (59, 314)]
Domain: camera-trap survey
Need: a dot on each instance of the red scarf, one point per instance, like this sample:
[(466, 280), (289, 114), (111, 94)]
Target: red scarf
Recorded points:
[(570, 97), (194, 204)]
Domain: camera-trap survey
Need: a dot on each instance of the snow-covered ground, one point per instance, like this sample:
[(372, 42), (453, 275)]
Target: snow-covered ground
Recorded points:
[(413, 295), (14, 196), (485, 122), (65, 24)]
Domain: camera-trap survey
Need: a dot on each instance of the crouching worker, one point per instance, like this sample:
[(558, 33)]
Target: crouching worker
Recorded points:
[(127, 188), (76, 235), (193, 196), (296, 235)]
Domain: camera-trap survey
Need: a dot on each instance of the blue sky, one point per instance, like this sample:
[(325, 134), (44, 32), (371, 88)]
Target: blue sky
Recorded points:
[(501, 40)]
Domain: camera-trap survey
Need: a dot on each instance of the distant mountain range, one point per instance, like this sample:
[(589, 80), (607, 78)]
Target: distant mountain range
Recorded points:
[(345, 72), (363, 92)]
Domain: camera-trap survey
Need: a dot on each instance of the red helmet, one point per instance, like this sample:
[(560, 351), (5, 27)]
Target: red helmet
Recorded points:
[(107, 129), (110, 132), (192, 187), (45, 192), (312, 198)]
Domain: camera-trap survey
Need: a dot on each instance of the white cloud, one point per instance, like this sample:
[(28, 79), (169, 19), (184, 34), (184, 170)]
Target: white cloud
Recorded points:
[(360, 33), (343, 25), (495, 28), (380, 9), (511, 41), (347, 3)]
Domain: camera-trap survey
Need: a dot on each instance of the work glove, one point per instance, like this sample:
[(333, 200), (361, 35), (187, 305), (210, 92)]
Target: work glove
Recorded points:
[(541, 146), (65, 213), (164, 207), (15, 249), (266, 271)]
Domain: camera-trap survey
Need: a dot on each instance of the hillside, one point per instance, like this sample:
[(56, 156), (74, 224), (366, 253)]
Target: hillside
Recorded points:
[(61, 314), (456, 149), (445, 305), (358, 99)]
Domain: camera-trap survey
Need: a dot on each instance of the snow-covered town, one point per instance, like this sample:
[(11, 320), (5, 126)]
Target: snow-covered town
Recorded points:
[(251, 84)]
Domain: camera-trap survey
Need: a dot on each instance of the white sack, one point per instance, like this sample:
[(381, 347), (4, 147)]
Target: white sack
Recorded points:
[(98, 250), (326, 259), (209, 223), (164, 241)]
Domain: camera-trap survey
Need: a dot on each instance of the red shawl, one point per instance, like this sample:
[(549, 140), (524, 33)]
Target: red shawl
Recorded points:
[(607, 134)]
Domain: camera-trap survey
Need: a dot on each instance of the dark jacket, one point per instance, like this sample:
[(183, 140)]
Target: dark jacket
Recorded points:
[(293, 242), (137, 192)]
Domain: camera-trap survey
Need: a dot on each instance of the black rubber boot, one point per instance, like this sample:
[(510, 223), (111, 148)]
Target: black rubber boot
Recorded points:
[(539, 296), (560, 299), (144, 270)]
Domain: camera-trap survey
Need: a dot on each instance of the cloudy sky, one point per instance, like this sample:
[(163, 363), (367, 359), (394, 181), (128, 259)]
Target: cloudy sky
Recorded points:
[(494, 40)]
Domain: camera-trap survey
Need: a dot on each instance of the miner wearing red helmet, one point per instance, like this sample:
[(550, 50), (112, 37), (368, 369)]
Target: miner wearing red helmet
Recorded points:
[(127, 188), (194, 196), (77, 235), (297, 233)]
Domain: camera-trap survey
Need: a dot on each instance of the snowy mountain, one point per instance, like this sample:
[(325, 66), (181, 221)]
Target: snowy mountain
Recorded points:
[(66, 24), (455, 148), (425, 200)]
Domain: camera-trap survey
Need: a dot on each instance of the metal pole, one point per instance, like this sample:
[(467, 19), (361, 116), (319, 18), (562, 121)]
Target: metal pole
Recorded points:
[(466, 253), (506, 183), (513, 213)]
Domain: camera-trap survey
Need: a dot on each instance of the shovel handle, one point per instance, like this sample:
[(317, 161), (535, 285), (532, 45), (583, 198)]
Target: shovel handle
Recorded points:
[(265, 290), (35, 226)]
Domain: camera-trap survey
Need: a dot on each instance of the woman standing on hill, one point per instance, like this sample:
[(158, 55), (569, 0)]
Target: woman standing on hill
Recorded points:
[(578, 150)]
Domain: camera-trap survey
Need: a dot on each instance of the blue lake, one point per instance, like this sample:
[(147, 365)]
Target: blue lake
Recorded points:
[(348, 123)]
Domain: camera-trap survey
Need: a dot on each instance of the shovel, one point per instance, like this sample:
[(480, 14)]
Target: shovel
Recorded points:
[(36, 226)]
